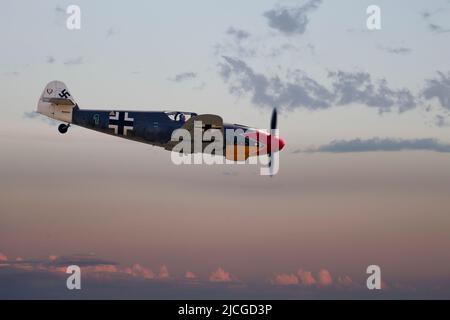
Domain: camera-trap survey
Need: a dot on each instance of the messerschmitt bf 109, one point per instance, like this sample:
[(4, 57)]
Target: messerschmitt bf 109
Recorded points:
[(156, 127)]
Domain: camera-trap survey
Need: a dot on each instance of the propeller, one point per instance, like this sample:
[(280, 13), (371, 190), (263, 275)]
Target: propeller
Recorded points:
[(273, 126), (273, 120)]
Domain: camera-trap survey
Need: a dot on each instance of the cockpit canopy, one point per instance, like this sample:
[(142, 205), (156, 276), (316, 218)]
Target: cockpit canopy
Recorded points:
[(180, 115)]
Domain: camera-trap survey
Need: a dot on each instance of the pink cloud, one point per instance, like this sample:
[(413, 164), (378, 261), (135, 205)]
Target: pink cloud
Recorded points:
[(3, 257), (345, 281), (23, 266), (306, 277), (137, 270), (52, 257), (190, 275), (324, 277), (220, 275), (285, 279), (163, 272), (101, 268), (56, 269)]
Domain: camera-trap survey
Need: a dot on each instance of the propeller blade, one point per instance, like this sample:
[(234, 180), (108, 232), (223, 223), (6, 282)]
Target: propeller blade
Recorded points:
[(273, 126), (273, 120), (270, 163)]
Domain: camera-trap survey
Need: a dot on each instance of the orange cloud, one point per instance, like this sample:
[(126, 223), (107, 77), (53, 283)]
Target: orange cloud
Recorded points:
[(324, 277), (306, 277), (3, 257), (220, 275), (285, 279)]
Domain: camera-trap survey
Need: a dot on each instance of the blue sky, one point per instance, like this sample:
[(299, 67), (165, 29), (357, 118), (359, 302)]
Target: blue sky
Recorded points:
[(130, 51)]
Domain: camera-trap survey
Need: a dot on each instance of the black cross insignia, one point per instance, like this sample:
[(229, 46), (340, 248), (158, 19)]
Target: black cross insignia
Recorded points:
[(120, 122), (64, 94)]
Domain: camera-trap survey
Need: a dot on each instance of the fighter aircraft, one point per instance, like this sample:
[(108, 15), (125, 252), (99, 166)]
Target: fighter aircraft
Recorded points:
[(156, 127)]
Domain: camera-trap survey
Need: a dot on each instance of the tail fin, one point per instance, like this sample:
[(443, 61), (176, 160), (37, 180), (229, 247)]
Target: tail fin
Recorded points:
[(56, 102)]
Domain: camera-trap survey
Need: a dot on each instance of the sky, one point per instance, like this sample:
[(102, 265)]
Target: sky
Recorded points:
[(363, 177)]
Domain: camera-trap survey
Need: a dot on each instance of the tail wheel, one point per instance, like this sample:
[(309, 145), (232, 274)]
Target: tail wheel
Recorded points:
[(62, 128)]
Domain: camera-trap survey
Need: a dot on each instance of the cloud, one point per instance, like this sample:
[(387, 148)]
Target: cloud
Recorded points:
[(302, 91), (306, 277), (89, 263), (381, 144), (30, 114), (438, 88), (220, 275), (396, 50), (285, 279), (103, 268), (441, 121), (238, 34), (427, 16), (163, 272), (3, 257), (73, 61), (201, 86), (292, 20), (358, 87), (50, 59), (34, 115), (237, 45), (81, 260), (33, 279), (137, 270), (22, 264), (324, 278), (190, 275), (437, 28), (273, 92), (59, 9), (184, 76), (52, 257), (12, 73), (230, 173), (345, 281), (91, 266), (111, 32)]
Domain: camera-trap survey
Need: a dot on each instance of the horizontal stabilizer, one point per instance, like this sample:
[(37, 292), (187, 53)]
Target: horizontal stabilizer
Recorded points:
[(59, 101)]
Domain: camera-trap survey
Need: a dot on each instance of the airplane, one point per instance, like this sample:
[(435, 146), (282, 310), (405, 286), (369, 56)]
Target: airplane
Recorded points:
[(156, 127)]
